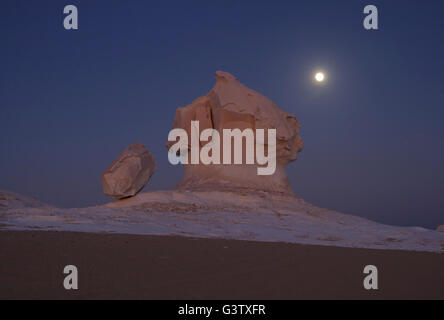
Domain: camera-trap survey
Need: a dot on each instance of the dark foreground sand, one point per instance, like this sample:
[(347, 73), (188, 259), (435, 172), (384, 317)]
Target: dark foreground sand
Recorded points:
[(159, 267)]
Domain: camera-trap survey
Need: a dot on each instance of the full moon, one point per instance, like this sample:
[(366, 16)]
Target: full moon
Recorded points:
[(319, 77)]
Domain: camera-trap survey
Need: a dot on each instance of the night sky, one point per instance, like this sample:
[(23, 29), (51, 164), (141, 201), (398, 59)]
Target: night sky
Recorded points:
[(71, 101)]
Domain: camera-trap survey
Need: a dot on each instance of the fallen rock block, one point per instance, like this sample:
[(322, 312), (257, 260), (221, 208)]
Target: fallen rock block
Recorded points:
[(129, 173)]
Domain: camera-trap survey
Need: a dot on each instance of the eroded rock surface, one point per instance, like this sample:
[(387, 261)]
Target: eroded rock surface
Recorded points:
[(129, 173), (243, 215), (12, 200), (231, 105)]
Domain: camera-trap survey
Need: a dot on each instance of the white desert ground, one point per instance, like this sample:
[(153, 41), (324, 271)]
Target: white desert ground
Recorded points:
[(240, 215)]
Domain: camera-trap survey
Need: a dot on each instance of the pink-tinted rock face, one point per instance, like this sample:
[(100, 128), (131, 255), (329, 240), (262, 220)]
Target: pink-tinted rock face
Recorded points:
[(440, 228), (231, 105), (129, 173)]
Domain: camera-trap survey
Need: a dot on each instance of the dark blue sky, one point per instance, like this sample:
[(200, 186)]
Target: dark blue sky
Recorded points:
[(71, 101)]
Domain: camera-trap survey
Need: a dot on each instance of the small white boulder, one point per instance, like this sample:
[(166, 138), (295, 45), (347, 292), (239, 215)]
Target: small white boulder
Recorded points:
[(129, 173)]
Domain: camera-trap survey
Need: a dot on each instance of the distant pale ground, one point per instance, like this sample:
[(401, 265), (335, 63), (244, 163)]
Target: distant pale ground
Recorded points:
[(241, 215)]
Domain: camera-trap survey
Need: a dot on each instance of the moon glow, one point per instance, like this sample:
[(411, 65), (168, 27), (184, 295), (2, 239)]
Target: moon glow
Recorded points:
[(319, 77)]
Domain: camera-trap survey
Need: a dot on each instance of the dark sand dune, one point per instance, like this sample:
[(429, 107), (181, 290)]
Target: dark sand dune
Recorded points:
[(159, 267)]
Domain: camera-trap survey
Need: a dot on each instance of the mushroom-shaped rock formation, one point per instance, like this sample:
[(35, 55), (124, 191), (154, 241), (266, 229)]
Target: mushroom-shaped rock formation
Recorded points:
[(129, 173), (231, 105)]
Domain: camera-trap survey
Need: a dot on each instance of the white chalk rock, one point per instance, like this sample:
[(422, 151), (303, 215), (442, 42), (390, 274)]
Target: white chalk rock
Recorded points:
[(231, 105), (129, 173)]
